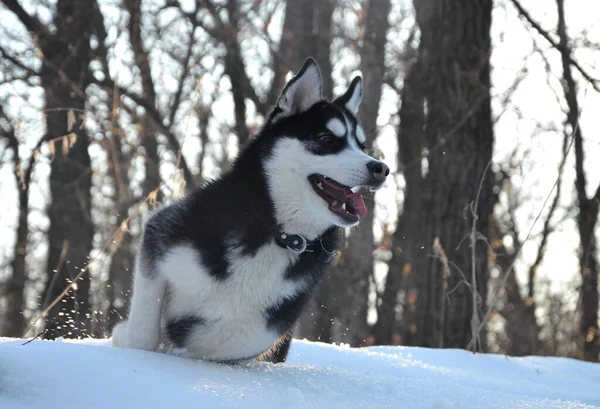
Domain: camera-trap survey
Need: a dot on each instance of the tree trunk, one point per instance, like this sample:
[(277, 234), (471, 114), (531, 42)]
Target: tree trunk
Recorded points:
[(307, 33), (234, 66), (588, 208), (121, 263), (410, 143), (15, 295), (521, 327), (14, 324), (148, 132), (454, 63), (120, 271), (354, 271), (588, 265), (64, 78)]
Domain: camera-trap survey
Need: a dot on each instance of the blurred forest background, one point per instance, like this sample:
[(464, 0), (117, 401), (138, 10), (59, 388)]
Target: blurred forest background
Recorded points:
[(487, 112)]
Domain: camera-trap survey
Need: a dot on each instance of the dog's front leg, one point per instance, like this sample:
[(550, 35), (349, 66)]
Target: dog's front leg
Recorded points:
[(142, 328)]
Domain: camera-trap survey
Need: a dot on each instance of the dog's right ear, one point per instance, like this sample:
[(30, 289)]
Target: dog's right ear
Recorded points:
[(301, 92)]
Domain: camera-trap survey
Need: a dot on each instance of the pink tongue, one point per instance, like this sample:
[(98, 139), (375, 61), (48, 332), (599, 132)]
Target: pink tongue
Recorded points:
[(345, 195), (356, 201)]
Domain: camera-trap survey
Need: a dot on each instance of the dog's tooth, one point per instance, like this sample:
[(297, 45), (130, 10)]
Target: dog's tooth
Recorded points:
[(355, 189), (344, 206), (320, 185)]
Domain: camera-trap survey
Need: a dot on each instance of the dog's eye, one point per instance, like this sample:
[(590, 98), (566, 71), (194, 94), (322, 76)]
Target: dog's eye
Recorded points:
[(328, 138)]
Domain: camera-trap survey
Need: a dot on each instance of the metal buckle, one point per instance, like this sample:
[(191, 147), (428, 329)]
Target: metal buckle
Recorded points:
[(294, 242)]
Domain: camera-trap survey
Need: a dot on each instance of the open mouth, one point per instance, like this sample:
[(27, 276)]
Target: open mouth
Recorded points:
[(342, 200)]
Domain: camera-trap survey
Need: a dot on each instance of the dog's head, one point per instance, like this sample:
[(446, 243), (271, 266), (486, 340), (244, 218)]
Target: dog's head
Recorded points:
[(316, 165)]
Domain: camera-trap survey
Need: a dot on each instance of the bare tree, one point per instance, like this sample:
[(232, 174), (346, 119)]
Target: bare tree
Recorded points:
[(410, 145), (148, 122), (14, 324), (587, 218), (355, 268), (452, 155), (65, 55), (307, 31)]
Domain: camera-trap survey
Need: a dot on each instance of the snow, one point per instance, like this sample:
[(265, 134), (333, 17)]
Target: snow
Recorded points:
[(92, 375)]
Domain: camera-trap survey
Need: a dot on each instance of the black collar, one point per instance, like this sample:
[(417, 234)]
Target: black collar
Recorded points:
[(299, 244)]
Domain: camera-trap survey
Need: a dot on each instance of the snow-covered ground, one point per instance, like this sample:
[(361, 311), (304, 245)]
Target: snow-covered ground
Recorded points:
[(90, 374)]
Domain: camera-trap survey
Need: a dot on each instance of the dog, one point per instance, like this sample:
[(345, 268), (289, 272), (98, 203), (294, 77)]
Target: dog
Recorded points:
[(225, 272)]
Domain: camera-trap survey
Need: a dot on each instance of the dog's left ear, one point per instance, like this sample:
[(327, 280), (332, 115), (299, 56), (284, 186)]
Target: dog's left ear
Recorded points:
[(351, 99), (302, 91)]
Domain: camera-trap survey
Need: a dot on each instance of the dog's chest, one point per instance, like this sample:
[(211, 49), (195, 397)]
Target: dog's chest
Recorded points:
[(231, 313)]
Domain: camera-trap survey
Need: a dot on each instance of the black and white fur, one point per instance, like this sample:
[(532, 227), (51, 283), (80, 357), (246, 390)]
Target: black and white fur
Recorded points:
[(211, 275)]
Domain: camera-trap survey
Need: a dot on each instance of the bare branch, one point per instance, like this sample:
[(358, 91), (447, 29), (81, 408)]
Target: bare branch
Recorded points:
[(446, 274), (184, 73), (140, 53), (516, 256), (23, 177), (19, 64), (148, 100), (475, 297), (547, 229), (157, 119), (32, 24), (570, 89), (559, 46), (227, 34)]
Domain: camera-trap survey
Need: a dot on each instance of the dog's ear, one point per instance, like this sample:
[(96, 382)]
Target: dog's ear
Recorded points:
[(351, 99), (302, 91)]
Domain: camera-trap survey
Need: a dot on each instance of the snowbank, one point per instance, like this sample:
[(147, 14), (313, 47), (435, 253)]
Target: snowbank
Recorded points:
[(92, 375)]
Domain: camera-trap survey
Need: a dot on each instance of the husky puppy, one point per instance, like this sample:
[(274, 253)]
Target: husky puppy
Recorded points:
[(226, 271)]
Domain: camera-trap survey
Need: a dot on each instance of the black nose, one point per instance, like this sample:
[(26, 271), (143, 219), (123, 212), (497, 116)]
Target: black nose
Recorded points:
[(378, 169)]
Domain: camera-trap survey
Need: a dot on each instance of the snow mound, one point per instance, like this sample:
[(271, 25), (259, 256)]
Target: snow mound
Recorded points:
[(90, 374)]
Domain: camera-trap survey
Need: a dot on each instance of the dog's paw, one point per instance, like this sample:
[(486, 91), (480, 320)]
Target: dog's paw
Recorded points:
[(119, 335)]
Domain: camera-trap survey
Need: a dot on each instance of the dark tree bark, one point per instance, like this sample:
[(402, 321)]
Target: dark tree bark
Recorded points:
[(148, 131), (64, 78), (15, 300), (15, 293), (122, 252), (587, 218), (234, 65), (454, 70), (14, 323), (521, 327), (120, 271), (307, 32), (65, 55), (410, 143), (203, 113), (352, 275), (227, 32)]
